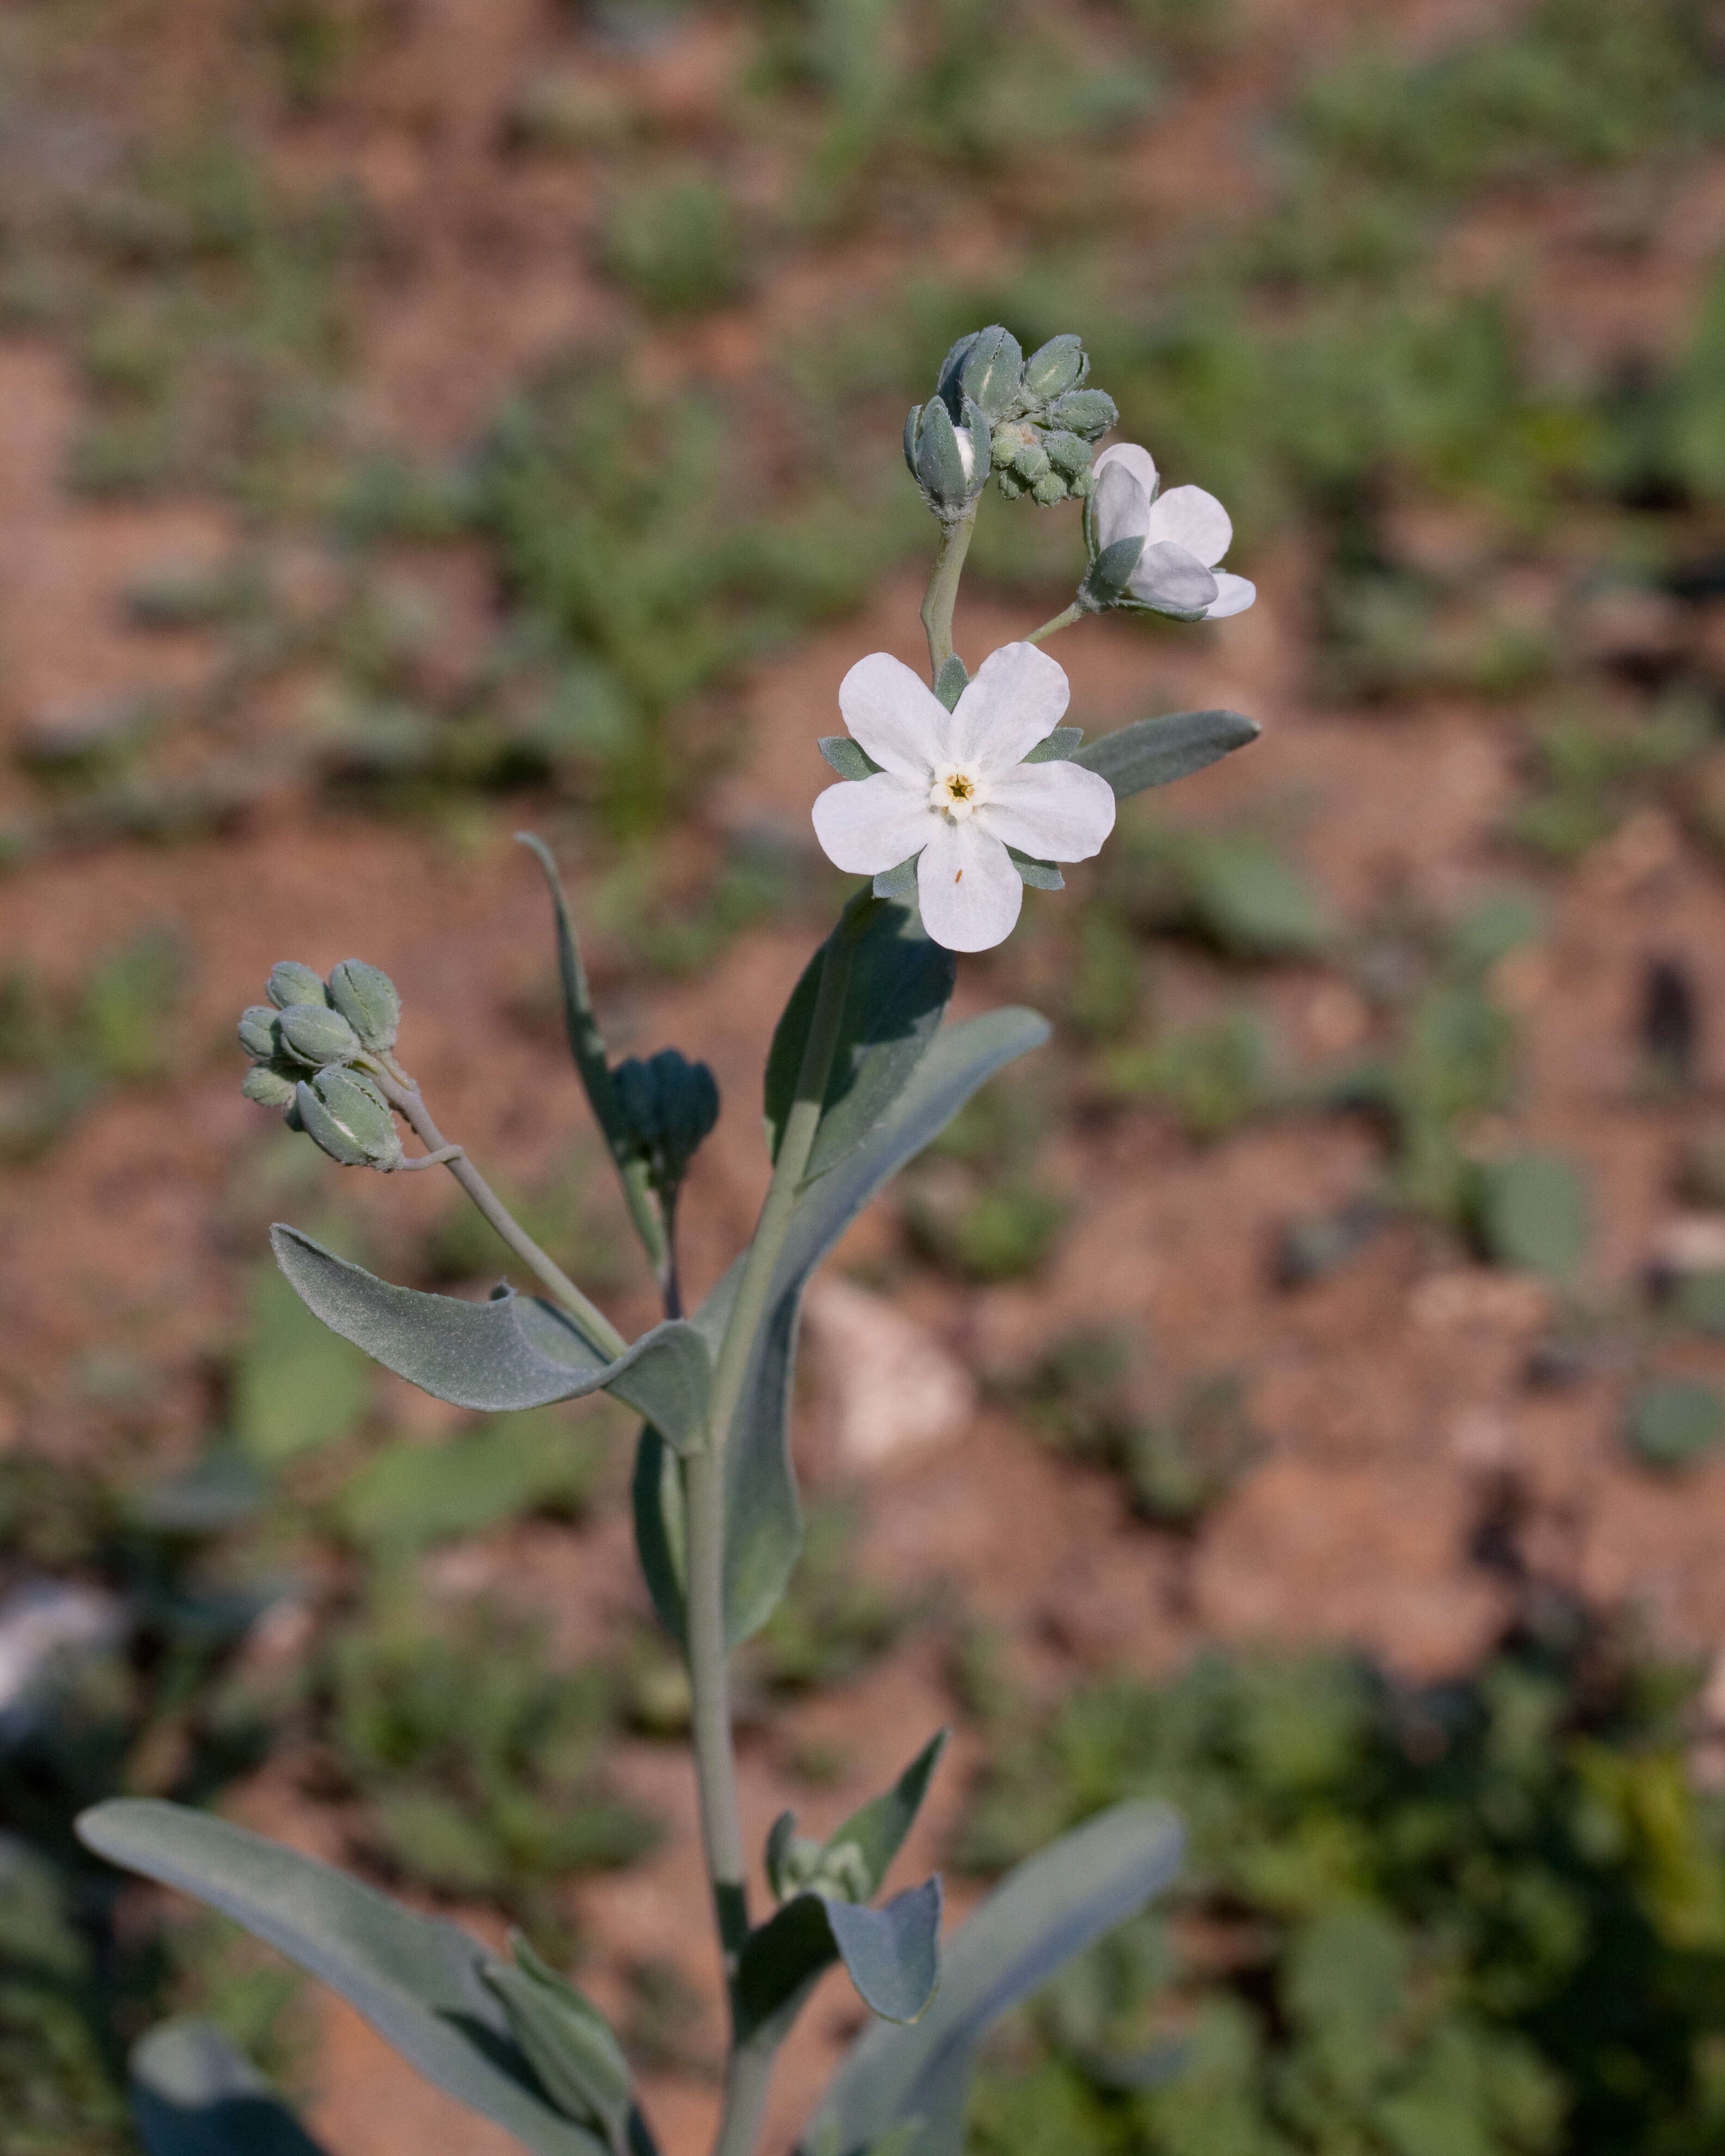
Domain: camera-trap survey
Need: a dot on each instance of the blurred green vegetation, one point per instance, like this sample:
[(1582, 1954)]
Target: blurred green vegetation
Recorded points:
[(1484, 1916)]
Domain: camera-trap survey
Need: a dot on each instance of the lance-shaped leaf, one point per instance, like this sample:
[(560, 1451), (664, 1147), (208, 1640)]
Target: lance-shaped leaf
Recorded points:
[(418, 1980), (193, 2094), (514, 1351), (1155, 751), (901, 982), (764, 1520), (1061, 1901), (892, 1955), (586, 1045), (877, 1830), (661, 1528), (568, 2041)]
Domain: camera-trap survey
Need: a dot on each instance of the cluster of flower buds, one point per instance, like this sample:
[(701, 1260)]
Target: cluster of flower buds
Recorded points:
[(303, 1044), (1031, 422), (671, 1106)]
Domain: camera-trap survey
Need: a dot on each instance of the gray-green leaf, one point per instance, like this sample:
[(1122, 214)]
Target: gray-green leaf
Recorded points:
[(418, 1980), (1155, 751), (568, 2041), (511, 1352), (900, 983), (892, 1955), (766, 1526), (1050, 1908), (193, 2094), (877, 1830)]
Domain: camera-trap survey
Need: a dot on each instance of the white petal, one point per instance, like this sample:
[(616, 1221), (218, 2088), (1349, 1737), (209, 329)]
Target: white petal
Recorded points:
[(1054, 812), (896, 716), (1121, 504), (1018, 695), (1188, 517), (1233, 595), (1131, 457), (967, 888), (1168, 576), (868, 824)]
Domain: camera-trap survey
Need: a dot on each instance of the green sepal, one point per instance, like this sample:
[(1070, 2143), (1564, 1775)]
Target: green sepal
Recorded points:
[(891, 1954), (951, 682), (269, 1086), (1155, 751), (1056, 367), (988, 373), (346, 1115), (1058, 747), (1109, 576), (291, 981), (314, 1034), (258, 1034), (514, 1351), (848, 758), (1034, 874), (568, 2041), (1087, 413), (900, 983), (369, 1001), (899, 885), (586, 1046)]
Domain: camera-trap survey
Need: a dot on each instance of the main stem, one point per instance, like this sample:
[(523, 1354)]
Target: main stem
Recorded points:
[(591, 1319), (942, 594), (703, 1488)]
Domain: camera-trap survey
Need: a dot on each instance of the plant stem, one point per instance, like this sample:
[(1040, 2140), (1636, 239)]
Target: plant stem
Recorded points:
[(593, 1321), (704, 1485), (942, 594), (1064, 620)]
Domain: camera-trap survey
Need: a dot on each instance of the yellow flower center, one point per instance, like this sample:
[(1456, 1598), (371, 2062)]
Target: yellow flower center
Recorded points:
[(955, 790)]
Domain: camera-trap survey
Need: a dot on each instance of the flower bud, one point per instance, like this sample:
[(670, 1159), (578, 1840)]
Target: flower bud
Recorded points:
[(369, 1001), (1087, 412), (349, 1118), (1010, 487), (951, 463), (1049, 490), (1067, 453), (291, 982), (988, 369), (268, 1086), (257, 1032), (1030, 463), (671, 1105), (1054, 367), (314, 1034)]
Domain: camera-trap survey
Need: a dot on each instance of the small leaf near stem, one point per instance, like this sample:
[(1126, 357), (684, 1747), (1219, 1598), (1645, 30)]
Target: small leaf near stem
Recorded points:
[(403, 1094), (942, 594), (1064, 619)]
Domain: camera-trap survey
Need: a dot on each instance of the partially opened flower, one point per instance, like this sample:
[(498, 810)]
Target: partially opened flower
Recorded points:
[(1185, 532), (954, 791)]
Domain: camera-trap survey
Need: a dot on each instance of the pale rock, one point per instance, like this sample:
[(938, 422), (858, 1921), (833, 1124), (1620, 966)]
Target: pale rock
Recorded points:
[(889, 1387)]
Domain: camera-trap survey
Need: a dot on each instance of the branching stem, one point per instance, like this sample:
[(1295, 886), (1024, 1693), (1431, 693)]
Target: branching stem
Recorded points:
[(403, 1094)]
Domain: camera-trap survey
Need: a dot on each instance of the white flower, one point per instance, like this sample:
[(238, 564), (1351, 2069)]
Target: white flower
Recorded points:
[(954, 791), (1185, 532)]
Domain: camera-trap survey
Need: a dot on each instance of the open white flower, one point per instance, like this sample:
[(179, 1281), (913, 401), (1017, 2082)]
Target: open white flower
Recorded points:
[(1185, 532), (953, 789)]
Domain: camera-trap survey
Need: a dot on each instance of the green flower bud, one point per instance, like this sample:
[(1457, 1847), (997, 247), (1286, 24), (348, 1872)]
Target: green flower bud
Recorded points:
[(369, 1001), (671, 1105), (951, 463), (1067, 453), (1049, 490), (258, 1034), (1082, 485), (1087, 412), (291, 982), (990, 371), (268, 1086), (1010, 487), (1030, 463), (314, 1034), (349, 1118), (1054, 367)]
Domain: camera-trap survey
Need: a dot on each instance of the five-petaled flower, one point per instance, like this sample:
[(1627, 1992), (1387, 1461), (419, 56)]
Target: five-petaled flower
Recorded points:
[(953, 789), (1185, 532)]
